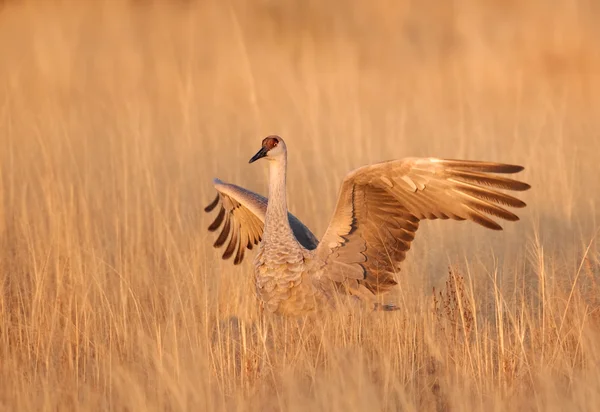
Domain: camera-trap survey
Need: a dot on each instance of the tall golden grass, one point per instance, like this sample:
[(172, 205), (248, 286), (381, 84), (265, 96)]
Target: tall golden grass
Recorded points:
[(115, 116)]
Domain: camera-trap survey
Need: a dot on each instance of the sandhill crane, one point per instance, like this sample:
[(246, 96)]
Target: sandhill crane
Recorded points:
[(377, 214)]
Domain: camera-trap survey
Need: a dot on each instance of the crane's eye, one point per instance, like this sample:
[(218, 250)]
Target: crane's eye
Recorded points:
[(270, 142)]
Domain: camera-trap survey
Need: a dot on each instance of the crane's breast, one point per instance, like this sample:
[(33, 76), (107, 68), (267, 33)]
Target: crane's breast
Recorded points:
[(283, 283)]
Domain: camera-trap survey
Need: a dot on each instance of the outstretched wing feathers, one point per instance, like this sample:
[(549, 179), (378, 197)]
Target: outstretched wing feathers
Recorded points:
[(380, 206), (241, 219)]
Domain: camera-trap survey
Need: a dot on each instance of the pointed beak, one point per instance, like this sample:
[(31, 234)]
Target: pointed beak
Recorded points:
[(260, 154)]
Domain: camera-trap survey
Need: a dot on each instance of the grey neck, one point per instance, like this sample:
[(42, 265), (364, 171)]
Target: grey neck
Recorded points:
[(277, 225)]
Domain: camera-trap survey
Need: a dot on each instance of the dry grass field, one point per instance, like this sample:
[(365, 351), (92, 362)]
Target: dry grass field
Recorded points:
[(116, 115)]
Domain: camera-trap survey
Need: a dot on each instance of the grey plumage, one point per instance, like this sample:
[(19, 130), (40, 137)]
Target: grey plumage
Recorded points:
[(375, 220), (244, 214)]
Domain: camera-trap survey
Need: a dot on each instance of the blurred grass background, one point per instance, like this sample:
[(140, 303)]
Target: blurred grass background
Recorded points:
[(116, 115)]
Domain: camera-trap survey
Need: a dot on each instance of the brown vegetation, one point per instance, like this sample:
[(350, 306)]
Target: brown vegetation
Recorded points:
[(115, 116)]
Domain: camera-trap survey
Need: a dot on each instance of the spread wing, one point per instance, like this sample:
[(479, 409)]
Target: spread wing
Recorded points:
[(241, 218), (380, 206)]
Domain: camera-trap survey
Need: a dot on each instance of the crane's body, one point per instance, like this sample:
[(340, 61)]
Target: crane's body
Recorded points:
[(374, 223)]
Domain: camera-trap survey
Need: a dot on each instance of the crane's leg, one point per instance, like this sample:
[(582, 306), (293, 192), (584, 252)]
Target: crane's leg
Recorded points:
[(262, 321), (263, 334)]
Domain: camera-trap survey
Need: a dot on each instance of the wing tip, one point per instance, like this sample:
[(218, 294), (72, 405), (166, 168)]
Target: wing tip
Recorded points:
[(524, 186), (508, 168), (484, 220), (218, 220), (239, 257), (518, 185), (216, 182), (483, 166), (212, 204)]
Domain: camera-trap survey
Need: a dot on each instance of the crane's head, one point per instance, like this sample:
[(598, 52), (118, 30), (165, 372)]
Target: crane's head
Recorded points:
[(273, 147)]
